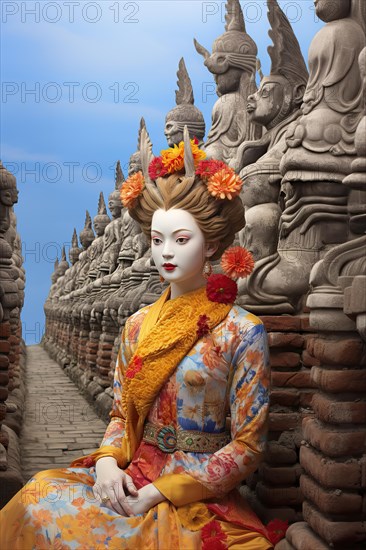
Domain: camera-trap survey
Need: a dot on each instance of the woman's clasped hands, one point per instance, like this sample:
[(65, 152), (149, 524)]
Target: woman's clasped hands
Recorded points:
[(123, 497)]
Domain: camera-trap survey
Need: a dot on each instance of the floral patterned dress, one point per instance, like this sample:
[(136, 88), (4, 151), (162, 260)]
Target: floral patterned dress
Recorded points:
[(225, 373)]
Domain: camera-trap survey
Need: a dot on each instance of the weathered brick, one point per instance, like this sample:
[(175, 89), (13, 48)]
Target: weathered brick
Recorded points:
[(279, 422), (286, 398), (279, 496), (284, 359), (334, 532), (299, 379), (5, 330), (308, 360), (4, 346), (336, 381), (302, 537), (4, 362), (285, 339), (280, 323), (339, 412), (331, 474), (346, 351), (280, 475), (334, 442), (330, 501), (280, 454)]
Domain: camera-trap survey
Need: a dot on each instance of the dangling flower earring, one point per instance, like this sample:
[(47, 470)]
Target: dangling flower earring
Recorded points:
[(207, 269)]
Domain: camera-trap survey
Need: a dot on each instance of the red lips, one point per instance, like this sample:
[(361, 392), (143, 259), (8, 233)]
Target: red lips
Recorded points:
[(169, 267)]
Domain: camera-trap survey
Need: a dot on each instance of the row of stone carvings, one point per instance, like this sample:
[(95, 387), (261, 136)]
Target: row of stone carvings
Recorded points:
[(12, 348), (304, 195)]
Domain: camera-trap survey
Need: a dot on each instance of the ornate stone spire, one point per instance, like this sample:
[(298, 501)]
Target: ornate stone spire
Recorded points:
[(134, 164), (87, 234), (286, 57), (185, 114), (120, 178), (75, 250), (101, 220)]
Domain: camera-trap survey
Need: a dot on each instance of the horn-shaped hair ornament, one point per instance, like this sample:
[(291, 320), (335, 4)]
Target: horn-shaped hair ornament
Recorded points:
[(187, 159)]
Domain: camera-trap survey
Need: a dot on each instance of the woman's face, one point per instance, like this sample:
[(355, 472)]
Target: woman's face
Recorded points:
[(178, 246)]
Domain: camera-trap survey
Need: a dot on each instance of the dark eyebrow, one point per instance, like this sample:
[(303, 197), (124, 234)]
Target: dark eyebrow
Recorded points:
[(177, 231)]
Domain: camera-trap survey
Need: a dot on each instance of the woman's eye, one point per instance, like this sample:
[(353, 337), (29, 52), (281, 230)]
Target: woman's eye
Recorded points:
[(182, 240), (156, 241)]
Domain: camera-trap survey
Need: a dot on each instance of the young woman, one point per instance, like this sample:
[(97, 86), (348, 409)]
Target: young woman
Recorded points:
[(167, 473)]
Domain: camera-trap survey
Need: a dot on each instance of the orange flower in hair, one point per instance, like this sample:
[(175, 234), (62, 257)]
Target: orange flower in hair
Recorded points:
[(132, 188), (224, 184), (237, 262), (173, 158)]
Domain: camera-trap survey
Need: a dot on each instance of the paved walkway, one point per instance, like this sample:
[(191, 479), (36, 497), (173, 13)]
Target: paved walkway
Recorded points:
[(59, 424)]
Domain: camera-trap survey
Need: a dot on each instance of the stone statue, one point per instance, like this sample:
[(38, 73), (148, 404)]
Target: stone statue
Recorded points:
[(339, 279), (275, 106), (101, 220), (8, 197), (233, 63), (113, 232), (319, 154), (185, 113)]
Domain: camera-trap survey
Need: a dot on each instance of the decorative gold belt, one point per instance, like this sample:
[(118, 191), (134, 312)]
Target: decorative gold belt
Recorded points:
[(169, 440)]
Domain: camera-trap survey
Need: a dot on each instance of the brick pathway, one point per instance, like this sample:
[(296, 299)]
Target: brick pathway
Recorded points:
[(59, 424)]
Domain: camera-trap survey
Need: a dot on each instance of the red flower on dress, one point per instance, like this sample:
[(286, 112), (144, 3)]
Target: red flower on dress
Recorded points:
[(202, 325), (237, 262), (134, 367), (213, 537), (88, 462), (276, 529), (221, 289), (207, 168), (157, 168)]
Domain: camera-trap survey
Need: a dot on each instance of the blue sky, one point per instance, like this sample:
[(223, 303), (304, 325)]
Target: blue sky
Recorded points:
[(76, 78)]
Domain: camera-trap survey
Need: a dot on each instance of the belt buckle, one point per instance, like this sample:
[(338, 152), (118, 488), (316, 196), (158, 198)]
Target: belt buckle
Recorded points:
[(166, 439)]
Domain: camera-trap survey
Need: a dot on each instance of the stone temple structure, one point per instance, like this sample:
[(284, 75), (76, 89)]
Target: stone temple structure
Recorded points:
[(12, 347), (298, 142)]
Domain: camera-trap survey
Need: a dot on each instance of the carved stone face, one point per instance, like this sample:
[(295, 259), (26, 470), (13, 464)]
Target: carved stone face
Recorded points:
[(7, 197), (228, 82), (172, 133), (114, 205), (330, 10), (266, 103), (135, 164), (99, 227)]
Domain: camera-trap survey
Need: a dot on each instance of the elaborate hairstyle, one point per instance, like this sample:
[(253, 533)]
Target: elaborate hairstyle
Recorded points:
[(214, 203), (218, 220)]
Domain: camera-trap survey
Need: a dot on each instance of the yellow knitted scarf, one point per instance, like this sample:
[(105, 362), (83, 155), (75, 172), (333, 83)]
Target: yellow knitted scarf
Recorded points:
[(168, 332)]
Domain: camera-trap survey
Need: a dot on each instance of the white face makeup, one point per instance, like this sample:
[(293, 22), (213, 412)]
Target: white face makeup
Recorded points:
[(178, 249)]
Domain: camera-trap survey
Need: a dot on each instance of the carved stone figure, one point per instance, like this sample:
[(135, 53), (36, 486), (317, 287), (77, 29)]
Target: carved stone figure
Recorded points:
[(275, 106), (101, 220), (8, 197), (319, 154), (185, 113), (233, 64), (113, 232)]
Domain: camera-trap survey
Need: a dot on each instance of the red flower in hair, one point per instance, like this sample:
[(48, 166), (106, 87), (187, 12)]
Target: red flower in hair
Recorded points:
[(221, 288), (276, 529), (207, 168), (237, 262), (88, 462), (157, 168), (134, 367), (213, 536)]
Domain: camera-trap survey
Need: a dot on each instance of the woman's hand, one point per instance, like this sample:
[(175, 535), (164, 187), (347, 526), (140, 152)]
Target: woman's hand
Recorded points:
[(114, 483), (148, 496)]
